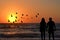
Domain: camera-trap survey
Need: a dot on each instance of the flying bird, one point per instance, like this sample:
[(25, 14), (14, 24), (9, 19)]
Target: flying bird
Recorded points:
[(16, 13), (36, 16), (16, 17), (8, 20), (37, 13), (26, 14), (21, 17), (21, 21), (11, 15), (15, 20), (22, 14)]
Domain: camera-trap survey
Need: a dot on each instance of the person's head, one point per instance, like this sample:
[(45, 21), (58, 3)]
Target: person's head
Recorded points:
[(50, 19), (43, 19)]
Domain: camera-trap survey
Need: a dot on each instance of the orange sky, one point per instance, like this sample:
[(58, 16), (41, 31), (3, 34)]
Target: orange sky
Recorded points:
[(45, 8)]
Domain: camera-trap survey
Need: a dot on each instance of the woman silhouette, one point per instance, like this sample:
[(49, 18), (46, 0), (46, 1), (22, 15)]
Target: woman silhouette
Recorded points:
[(42, 28)]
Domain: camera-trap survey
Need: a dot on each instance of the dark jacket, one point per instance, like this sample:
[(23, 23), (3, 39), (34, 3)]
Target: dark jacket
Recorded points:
[(51, 26)]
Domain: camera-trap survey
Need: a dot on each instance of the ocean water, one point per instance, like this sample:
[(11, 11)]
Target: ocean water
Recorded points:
[(26, 31)]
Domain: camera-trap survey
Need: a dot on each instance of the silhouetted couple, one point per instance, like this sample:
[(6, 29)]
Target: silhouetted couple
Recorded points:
[(50, 26)]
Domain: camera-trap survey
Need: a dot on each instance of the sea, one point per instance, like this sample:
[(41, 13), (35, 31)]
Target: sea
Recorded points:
[(25, 31)]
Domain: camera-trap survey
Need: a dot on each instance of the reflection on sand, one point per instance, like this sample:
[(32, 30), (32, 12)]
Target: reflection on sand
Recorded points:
[(7, 33)]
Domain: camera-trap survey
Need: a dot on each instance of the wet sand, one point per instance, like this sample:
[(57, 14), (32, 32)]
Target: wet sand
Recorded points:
[(29, 33)]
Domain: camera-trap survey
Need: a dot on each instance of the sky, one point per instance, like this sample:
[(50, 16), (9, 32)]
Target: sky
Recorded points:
[(45, 8)]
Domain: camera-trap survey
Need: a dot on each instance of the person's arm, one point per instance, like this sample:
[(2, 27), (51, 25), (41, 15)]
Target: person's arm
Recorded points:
[(39, 27), (54, 27), (47, 26)]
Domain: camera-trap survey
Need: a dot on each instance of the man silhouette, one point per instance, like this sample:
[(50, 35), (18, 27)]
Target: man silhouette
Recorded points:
[(42, 28), (51, 28)]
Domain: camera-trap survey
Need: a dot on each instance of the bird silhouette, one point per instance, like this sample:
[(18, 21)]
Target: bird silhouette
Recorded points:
[(11, 15)]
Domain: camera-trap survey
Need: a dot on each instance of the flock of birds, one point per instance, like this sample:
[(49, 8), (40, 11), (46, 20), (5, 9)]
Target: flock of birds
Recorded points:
[(22, 17)]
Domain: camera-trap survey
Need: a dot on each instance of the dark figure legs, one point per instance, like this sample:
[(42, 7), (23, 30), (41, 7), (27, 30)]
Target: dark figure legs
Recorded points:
[(52, 35), (51, 28), (42, 35), (49, 35)]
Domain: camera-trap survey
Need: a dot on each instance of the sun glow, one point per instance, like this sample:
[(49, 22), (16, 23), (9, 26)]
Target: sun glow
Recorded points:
[(12, 18)]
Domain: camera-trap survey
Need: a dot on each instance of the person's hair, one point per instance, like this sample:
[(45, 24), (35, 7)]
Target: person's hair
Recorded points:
[(43, 20), (50, 18)]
